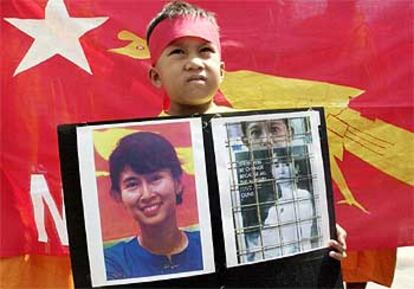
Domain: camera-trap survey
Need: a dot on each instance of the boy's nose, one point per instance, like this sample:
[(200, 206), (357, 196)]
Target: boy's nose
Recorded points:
[(193, 63)]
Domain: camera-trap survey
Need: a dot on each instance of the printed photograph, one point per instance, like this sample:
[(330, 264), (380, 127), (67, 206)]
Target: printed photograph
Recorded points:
[(273, 188), (148, 191)]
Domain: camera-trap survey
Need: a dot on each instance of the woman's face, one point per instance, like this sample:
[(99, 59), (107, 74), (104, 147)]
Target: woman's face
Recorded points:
[(150, 198), (260, 133)]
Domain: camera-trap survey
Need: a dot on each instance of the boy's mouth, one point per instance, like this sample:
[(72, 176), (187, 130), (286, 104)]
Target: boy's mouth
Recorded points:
[(197, 78)]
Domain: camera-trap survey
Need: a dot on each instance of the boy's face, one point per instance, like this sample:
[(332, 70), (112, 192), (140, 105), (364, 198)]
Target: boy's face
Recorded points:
[(190, 70)]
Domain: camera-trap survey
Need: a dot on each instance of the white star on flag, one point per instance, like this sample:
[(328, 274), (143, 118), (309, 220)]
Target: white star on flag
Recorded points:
[(58, 33)]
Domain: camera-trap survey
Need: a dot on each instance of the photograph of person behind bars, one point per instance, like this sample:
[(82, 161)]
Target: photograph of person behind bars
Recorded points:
[(146, 178), (278, 204)]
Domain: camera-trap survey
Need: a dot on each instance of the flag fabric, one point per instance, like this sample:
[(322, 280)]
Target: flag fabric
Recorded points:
[(66, 61)]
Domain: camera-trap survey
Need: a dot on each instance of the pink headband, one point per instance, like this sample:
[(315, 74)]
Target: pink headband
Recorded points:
[(169, 30)]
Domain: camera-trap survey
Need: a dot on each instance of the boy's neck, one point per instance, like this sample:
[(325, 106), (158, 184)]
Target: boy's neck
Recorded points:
[(180, 109)]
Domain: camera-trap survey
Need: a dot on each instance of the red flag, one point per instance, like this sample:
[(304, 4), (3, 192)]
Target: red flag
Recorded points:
[(58, 90), (354, 57)]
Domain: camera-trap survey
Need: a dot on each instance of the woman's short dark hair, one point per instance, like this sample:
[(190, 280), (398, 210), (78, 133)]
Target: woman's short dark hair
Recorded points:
[(144, 153)]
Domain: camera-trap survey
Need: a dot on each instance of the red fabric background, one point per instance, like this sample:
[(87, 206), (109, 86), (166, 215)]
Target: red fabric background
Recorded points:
[(363, 44)]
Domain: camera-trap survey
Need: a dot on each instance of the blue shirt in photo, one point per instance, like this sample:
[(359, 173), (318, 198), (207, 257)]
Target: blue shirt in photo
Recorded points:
[(129, 259)]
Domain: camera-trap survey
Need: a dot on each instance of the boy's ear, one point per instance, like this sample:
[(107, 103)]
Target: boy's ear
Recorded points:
[(154, 77), (222, 71)]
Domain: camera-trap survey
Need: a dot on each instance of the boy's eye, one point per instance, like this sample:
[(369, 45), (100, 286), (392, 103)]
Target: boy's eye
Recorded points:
[(207, 49), (176, 51)]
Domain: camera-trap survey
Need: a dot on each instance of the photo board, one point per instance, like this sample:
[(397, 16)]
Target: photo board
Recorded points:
[(238, 199)]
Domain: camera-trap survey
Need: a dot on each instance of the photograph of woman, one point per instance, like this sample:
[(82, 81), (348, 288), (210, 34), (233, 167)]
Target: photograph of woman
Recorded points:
[(145, 175)]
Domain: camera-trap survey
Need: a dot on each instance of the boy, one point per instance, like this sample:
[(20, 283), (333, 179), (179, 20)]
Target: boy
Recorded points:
[(185, 53), (184, 42)]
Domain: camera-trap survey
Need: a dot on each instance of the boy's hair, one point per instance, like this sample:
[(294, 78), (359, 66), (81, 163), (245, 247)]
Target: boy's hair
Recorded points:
[(144, 153), (178, 8)]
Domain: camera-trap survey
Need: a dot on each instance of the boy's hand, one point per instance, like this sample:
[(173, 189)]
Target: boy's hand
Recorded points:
[(338, 246)]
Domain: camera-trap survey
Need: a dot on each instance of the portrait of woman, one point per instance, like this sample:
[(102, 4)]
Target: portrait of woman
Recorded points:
[(145, 175)]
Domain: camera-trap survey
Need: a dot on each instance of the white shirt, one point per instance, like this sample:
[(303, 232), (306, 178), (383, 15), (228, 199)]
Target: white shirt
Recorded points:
[(285, 223)]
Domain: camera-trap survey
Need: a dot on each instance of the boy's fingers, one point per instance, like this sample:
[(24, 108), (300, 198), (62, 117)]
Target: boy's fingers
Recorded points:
[(337, 246), (339, 252), (341, 235), (336, 255)]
